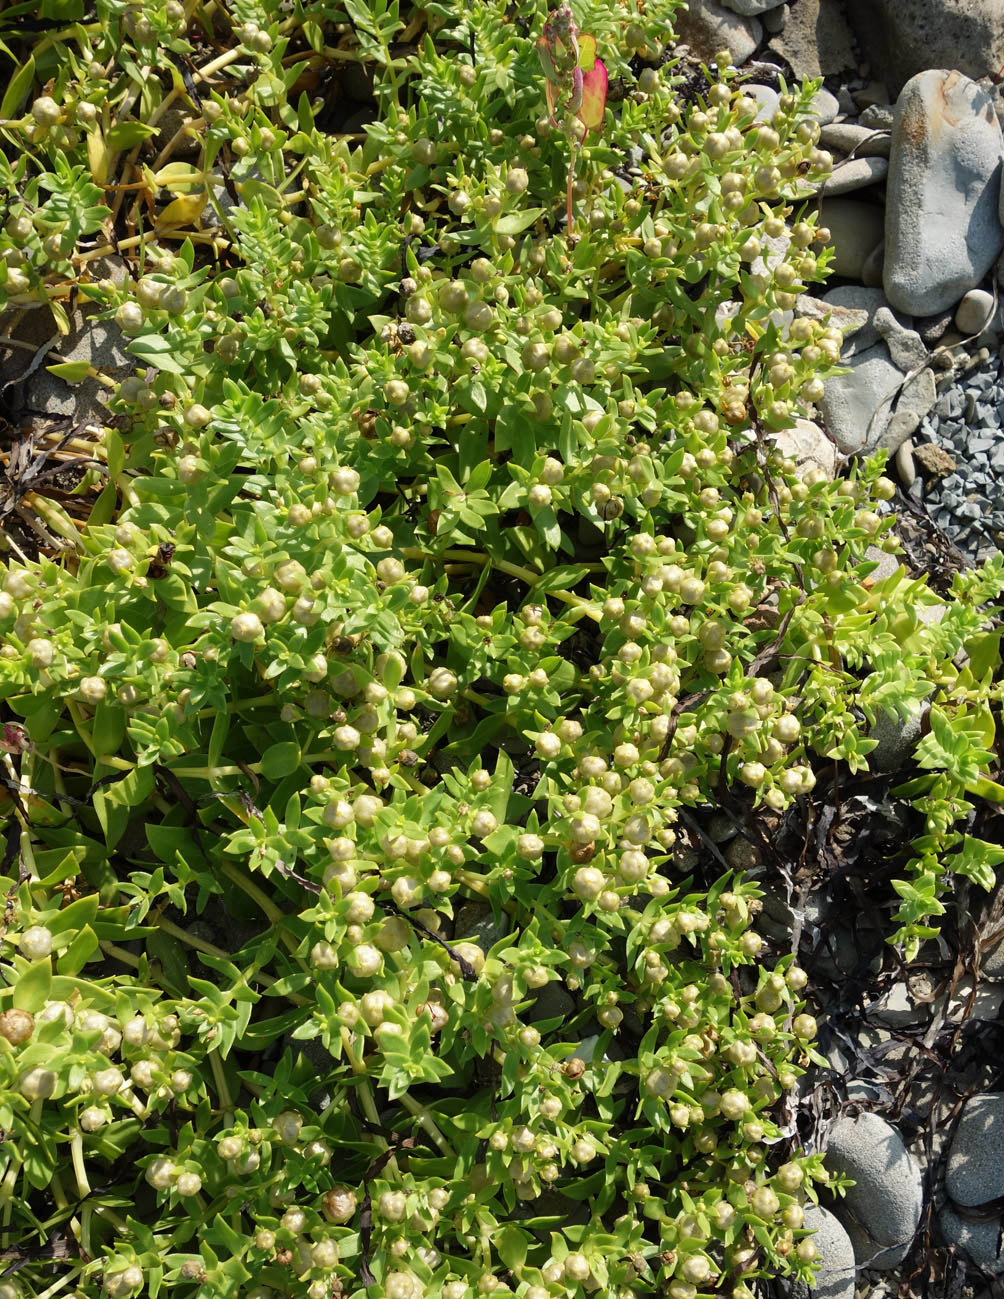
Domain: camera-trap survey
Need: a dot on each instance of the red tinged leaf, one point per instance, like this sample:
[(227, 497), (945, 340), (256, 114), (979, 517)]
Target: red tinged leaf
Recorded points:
[(594, 97)]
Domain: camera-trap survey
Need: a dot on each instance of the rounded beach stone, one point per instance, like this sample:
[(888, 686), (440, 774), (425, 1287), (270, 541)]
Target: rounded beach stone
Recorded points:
[(810, 448), (849, 137), (975, 1172), (854, 173), (835, 1278), (856, 405), (975, 312), (942, 224), (824, 107), (905, 464), (977, 1239), (884, 1206)]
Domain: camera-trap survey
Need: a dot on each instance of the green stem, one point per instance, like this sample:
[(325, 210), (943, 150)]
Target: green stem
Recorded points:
[(222, 1087), (526, 575), (369, 1102), (10, 1180), (427, 1123), (253, 891), (68, 1279), (120, 1226), (56, 1188), (120, 954), (364, 1089), (211, 773), (77, 1155), (259, 701), (202, 946), (23, 783), (85, 1229), (82, 729), (568, 190)]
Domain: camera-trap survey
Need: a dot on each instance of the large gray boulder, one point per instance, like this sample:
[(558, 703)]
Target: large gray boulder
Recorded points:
[(975, 1237), (975, 1172), (901, 36), (942, 225), (881, 1212)]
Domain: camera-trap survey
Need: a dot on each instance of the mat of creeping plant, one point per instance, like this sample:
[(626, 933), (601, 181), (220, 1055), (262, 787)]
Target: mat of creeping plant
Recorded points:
[(428, 561)]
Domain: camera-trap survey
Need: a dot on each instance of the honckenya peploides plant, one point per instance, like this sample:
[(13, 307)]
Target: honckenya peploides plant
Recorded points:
[(428, 588)]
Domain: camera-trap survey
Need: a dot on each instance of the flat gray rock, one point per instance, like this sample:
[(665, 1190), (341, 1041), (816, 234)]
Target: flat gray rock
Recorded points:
[(898, 1008), (856, 406), (906, 348), (977, 1239), (708, 27), (942, 225), (849, 137), (774, 19), (881, 1212), (854, 173), (810, 448), (856, 229), (975, 1172), (915, 400), (859, 300), (878, 117), (835, 1278), (101, 344), (824, 106), (896, 738), (993, 962), (851, 321), (986, 1000)]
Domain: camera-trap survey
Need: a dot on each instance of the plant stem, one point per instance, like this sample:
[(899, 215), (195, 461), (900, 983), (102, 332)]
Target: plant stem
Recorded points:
[(202, 946), (568, 190), (120, 954), (526, 575), (113, 1218), (71, 1275), (222, 1087), (426, 1123), (80, 1171)]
